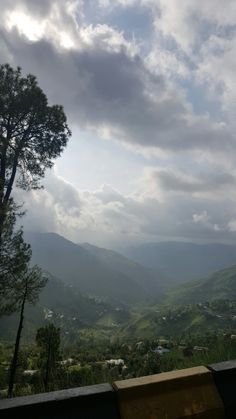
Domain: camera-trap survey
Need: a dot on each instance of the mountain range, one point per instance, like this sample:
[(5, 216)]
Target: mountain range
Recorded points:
[(182, 262), (95, 271), (92, 288), (149, 271)]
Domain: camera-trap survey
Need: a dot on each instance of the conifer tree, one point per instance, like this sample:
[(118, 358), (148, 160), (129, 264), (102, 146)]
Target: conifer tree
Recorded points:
[(32, 134), (48, 341), (27, 287)]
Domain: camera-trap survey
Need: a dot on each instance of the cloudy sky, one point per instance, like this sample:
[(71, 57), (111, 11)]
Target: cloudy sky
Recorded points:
[(149, 88)]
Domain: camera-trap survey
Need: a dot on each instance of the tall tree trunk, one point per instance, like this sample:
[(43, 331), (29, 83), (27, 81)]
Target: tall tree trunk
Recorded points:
[(5, 195), (48, 366), (2, 184), (16, 350), (12, 178)]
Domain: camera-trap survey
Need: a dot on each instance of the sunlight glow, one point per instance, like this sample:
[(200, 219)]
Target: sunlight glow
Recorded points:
[(26, 26), (66, 41)]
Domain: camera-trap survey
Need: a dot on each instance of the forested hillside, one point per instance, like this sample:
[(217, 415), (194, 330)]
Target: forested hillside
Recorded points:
[(219, 285)]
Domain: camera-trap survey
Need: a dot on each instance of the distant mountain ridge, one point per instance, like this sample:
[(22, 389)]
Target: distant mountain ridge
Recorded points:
[(181, 261), (180, 309), (154, 279), (93, 270)]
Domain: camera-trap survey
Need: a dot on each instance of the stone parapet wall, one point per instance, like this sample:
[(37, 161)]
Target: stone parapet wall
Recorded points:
[(176, 394)]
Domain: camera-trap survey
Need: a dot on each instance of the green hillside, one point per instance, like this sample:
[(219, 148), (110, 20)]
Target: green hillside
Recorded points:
[(177, 321), (197, 307), (65, 306), (202, 306), (220, 285)]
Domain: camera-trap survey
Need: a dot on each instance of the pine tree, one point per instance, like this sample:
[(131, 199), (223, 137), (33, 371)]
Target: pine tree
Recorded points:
[(27, 287), (48, 341), (32, 134), (14, 259)]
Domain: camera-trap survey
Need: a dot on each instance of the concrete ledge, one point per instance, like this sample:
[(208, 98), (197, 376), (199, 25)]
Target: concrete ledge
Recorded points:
[(189, 393), (224, 374), (89, 402)]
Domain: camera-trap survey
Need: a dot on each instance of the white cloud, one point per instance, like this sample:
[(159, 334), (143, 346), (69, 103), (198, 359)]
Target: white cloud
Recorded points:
[(105, 37), (217, 67), (107, 217), (205, 32), (189, 23), (202, 217)]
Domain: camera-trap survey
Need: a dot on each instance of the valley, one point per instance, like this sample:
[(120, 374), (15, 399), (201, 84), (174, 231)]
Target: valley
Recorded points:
[(109, 307)]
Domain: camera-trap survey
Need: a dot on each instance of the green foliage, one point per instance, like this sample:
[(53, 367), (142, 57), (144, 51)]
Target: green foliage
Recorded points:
[(28, 285), (48, 342), (88, 363), (32, 133), (26, 289), (14, 259)]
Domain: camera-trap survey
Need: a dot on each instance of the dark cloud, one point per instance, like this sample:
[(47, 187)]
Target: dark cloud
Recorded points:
[(108, 194), (210, 182), (40, 8), (113, 90)]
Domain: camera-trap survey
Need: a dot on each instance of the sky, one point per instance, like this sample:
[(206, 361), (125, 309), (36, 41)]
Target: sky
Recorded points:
[(149, 90)]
